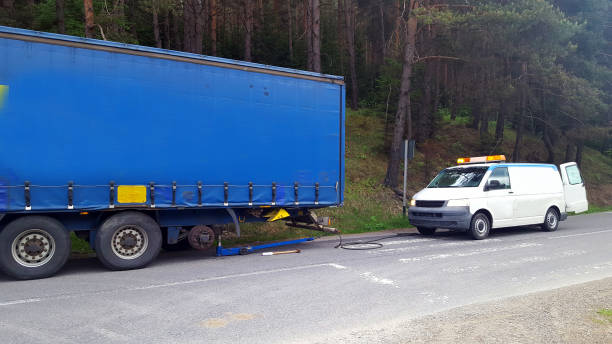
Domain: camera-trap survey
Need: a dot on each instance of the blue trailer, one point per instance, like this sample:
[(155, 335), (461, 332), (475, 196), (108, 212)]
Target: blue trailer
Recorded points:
[(133, 147)]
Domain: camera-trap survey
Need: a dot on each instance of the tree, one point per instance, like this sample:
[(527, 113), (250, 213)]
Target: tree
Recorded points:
[(89, 18), (403, 114)]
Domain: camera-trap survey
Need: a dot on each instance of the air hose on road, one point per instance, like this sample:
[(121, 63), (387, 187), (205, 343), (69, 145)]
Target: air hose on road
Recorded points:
[(367, 245)]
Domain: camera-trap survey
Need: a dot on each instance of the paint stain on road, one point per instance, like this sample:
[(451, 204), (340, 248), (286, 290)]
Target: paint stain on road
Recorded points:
[(243, 316), (214, 323)]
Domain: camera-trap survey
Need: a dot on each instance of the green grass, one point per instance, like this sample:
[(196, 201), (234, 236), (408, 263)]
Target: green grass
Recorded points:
[(79, 245), (597, 209), (606, 313)]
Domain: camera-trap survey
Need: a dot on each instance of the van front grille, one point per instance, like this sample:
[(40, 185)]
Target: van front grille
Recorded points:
[(430, 204)]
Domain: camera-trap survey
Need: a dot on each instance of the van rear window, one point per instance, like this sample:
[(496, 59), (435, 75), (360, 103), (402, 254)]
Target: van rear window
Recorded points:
[(459, 177)]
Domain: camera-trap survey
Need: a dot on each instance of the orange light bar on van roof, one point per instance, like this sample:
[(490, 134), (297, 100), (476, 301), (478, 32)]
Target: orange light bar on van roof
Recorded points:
[(477, 159)]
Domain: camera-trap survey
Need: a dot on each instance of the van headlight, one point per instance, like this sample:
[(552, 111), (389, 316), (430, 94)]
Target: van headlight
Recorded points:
[(412, 202), (458, 203)]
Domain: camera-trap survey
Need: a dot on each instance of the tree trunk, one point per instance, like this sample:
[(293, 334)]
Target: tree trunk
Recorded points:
[(568, 152), (8, 4), (579, 148), (316, 36), (200, 16), (549, 146), (175, 32), (158, 42), (89, 18), (403, 106), (383, 42), (499, 127), (290, 22), (516, 154), (59, 14), (188, 23), (213, 27), (340, 25), (167, 29), (308, 34), (248, 29), (350, 42)]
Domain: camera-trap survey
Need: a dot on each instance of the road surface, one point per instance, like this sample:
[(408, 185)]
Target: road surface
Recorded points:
[(314, 296)]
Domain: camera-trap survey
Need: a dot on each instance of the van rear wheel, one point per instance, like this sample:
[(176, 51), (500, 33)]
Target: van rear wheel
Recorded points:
[(426, 230), (480, 226), (551, 220)]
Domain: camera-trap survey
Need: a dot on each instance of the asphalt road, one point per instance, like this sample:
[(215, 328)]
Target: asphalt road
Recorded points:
[(317, 295)]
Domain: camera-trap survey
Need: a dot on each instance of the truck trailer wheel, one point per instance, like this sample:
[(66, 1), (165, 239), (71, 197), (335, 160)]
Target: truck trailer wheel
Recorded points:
[(480, 226), (551, 220), (128, 240), (33, 247)]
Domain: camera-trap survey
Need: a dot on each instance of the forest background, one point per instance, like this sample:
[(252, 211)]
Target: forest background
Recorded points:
[(531, 79)]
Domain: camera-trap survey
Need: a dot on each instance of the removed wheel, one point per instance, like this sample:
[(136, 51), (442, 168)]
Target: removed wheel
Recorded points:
[(480, 226), (551, 220), (128, 240), (426, 230), (33, 247)]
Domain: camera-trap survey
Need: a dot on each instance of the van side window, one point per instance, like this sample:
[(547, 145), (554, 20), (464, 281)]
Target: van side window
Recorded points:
[(573, 175), (499, 179)]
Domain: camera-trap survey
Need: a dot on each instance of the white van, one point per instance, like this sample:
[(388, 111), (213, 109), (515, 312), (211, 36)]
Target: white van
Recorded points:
[(485, 192)]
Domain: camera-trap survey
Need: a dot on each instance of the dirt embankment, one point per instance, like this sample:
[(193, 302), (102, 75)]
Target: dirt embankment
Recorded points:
[(566, 315)]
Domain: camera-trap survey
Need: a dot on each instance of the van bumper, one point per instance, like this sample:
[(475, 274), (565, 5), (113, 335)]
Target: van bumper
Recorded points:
[(457, 218)]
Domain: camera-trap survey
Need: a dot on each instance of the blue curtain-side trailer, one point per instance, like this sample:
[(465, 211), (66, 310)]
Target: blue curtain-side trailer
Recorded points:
[(133, 148)]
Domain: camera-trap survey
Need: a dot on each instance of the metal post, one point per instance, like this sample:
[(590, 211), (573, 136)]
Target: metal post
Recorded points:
[(405, 176)]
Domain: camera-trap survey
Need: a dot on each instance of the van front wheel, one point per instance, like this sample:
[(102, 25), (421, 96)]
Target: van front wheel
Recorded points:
[(480, 226), (551, 220)]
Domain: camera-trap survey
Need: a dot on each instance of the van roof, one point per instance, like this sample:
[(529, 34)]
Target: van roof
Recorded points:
[(507, 164)]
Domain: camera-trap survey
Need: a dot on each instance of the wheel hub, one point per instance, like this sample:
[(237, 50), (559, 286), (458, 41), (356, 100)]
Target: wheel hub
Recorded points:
[(481, 226), (129, 242), (33, 248)]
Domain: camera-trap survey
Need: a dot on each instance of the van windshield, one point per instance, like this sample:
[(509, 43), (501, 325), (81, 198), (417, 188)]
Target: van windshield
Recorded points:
[(459, 177)]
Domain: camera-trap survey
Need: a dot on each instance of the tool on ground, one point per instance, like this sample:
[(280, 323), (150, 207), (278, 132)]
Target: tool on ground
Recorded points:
[(280, 252)]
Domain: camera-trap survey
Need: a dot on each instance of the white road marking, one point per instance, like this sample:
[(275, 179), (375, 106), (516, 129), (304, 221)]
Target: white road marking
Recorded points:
[(468, 253), (384, 281), (579, 234), (18, 302), (436, 245), (520, 261), (172, 284), (408, 241), (108, 334), (247, 274), (337, 266)]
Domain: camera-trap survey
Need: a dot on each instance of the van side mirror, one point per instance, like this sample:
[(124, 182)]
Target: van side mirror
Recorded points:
[(492, 185)]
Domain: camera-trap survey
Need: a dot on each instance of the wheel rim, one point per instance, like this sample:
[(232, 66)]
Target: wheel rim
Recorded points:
[(480, 225), (551, 219), (129, 242), (33, 248)]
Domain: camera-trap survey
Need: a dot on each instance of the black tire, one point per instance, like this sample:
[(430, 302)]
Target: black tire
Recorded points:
[(33, 247), (551, 220), (128, 240), (480, 227), (426, 230)]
